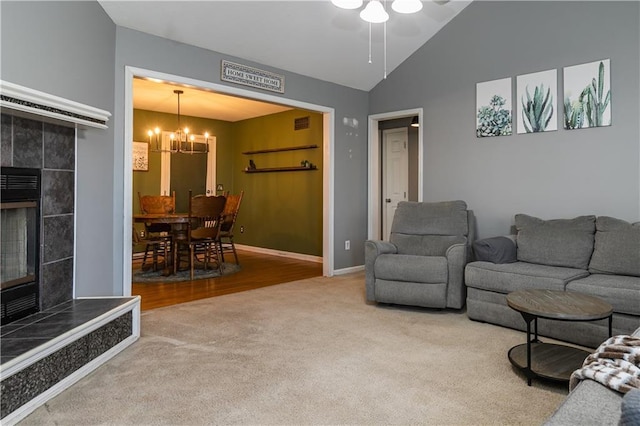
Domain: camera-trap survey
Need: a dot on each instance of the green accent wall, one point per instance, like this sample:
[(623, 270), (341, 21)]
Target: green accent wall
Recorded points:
[(280, 210)]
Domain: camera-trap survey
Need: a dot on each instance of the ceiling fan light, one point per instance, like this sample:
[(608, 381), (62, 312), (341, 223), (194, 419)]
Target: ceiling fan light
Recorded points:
[(374, 13), (406, 6), (347, 4)]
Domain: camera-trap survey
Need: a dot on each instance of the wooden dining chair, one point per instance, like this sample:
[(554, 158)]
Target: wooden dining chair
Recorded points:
[(157, 236), (159, 246), (204, 227), (157, 204), (229, 216)]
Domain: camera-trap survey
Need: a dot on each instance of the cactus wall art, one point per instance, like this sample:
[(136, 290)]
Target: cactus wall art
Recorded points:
[(537, 95), (587, 95), (493, 108)]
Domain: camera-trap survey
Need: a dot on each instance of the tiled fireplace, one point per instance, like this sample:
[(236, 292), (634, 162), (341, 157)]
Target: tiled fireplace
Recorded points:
[(49, 150), (62, 338)]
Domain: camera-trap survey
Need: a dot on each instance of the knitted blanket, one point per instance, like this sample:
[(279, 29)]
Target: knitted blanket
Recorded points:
[(615, 364)]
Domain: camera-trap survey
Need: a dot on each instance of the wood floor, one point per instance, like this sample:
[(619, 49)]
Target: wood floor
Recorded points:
[(258, 270)]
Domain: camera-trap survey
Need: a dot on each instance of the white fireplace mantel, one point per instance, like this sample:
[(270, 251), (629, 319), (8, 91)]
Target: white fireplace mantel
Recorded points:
[(41, 104)]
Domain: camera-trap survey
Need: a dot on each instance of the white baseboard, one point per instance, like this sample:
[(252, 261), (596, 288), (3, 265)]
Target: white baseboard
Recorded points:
[(349, 270), (272, 252)]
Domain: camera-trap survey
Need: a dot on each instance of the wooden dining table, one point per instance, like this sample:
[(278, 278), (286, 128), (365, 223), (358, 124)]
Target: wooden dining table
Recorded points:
[(179, 228)]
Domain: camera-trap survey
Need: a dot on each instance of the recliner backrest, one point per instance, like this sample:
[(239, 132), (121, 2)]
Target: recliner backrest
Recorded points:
[(429, 229)]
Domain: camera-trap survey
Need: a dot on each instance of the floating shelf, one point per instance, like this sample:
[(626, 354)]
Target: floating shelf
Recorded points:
[(290, 148), (281, 169)]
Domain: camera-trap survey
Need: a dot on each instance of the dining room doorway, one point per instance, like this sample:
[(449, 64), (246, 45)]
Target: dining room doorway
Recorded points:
[(327, 152)]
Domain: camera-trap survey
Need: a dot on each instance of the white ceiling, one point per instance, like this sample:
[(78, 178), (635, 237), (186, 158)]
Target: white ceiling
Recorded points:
[(154, 96), (312, 38)]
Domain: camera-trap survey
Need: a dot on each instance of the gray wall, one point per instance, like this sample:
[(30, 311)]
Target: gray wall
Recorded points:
[(141, 50), (73, 50), (550, 175), (67, 49)]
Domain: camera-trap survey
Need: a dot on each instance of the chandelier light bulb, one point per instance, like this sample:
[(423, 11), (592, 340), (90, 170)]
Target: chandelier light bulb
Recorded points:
[(406, 6), (347, 4), (374, 13)]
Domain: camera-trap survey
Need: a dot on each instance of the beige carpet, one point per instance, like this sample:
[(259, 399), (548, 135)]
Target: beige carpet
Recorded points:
[(305, 353)]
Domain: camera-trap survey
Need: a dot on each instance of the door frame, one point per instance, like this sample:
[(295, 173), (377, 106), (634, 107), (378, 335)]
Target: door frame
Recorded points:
[(328, 153), (374, 219)]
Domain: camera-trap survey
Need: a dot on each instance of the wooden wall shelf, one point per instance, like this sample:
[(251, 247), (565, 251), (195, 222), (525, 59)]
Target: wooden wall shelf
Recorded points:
[(290, 148), (280, 169)]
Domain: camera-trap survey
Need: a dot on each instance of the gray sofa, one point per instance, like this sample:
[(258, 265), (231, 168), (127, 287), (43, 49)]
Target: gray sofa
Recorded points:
[(597, 256), (591, 403), (423, 262)]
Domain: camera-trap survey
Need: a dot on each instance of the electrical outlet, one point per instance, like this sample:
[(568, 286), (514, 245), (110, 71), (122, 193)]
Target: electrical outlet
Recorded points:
[(242, 229), (347, 245)]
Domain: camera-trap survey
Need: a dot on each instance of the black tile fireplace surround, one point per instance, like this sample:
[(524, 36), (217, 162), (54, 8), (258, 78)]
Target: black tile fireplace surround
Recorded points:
[(50, 148)]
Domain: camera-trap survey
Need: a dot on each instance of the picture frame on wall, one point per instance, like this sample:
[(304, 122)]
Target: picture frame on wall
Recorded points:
[(140, 156), (537, 102), (587, 95), (493, 108)]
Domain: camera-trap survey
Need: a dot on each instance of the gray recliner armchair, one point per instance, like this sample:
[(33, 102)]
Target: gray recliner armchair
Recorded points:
[(423, 262)]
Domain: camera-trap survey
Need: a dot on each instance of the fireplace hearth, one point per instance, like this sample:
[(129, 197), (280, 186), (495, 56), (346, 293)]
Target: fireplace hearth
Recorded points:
[(69, 336)]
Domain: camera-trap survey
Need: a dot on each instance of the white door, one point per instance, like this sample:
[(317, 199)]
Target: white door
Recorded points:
[(395, 179)]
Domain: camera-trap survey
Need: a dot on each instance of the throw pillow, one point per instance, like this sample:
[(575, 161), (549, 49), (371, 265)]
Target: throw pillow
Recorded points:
[(558, 242), (617, 247), (495, 250)]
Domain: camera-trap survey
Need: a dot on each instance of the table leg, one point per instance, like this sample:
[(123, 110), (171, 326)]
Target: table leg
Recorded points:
[(528, 319), (610, 325)]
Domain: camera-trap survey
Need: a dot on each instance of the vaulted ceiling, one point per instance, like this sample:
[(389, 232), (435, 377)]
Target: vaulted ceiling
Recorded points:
[(312, 38)]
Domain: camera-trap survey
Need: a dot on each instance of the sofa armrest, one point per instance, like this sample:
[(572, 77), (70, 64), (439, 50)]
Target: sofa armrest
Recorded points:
[(456, 260), (373, 249)]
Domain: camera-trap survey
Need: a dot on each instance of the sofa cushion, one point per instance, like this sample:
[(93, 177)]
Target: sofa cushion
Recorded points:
[(508, 277), (589, 403), (495, 250), (419, 269), (621, 291), (425, 245), (559, 242), (630, 408), (617, 247), (443, 218)]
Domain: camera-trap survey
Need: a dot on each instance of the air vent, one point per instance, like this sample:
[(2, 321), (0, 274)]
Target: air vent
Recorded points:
[(16, 182), (301, 123)]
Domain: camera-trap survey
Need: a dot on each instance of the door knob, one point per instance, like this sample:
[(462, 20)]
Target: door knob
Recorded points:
[(388, 200)]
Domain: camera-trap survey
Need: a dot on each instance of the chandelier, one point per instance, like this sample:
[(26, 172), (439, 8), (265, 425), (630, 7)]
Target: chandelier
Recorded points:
[(375, 13), (181, 140)]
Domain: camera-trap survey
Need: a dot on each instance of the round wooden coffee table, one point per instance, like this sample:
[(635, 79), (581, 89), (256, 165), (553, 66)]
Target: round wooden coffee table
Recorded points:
[(548, 360)]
